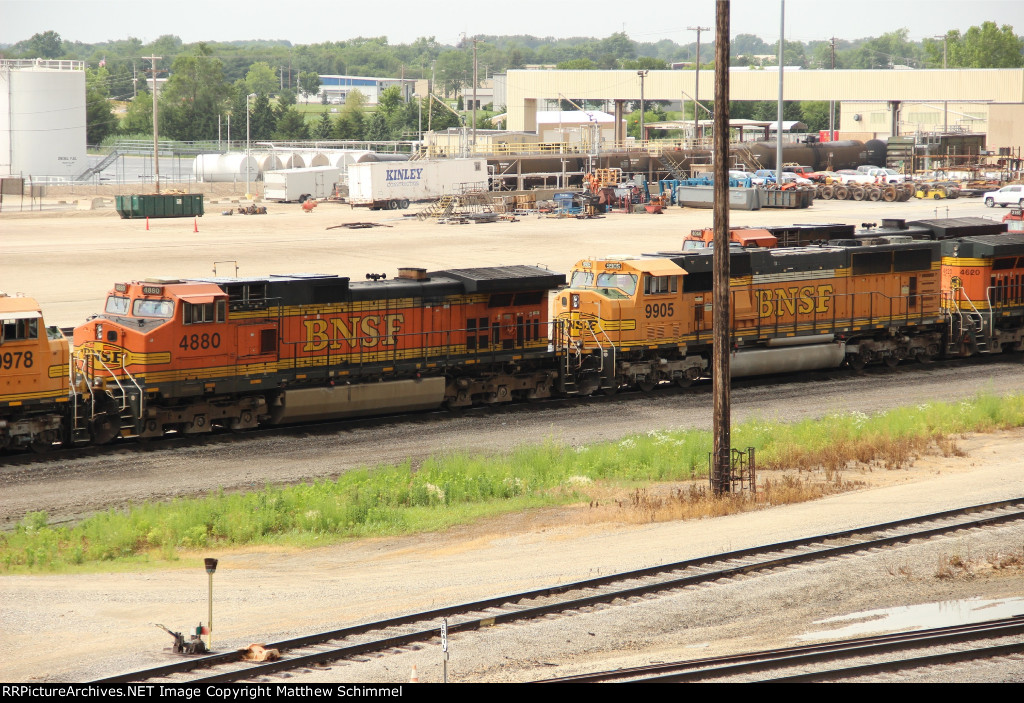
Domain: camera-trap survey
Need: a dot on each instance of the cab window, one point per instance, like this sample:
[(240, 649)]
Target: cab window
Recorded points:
[(198, 313), (14, 330), (142, 307), (116, 305), (655, 285)]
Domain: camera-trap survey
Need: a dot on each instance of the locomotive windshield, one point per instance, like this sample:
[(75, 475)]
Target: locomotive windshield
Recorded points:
[(626, 282), (116, 305), (612, 285), (152, 308)]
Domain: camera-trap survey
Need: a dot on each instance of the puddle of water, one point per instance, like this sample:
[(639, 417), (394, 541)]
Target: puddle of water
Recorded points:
[(917, 617)]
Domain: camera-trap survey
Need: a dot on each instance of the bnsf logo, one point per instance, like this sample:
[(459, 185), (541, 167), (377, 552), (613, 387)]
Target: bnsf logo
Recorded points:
[(796, 299)]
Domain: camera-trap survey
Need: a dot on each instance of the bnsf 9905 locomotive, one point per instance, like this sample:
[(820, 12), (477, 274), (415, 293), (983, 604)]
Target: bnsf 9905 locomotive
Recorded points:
[(191, 355)]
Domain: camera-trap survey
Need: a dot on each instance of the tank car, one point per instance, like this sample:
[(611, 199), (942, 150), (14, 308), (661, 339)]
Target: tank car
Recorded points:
[(647, 319), (186, 355), (36, 399)]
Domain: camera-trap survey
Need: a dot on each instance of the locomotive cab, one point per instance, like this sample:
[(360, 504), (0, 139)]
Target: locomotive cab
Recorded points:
[(625, 319), (34, 385), (156, 339)]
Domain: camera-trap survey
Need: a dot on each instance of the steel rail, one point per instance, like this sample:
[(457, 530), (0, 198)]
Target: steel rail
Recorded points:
[(735, 664), (511, 601), (224, 436)]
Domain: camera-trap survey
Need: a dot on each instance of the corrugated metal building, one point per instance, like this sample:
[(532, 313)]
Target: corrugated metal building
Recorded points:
[(917, 95)]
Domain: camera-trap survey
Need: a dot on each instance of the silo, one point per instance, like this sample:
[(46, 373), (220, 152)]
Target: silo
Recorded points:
[(42, 117)]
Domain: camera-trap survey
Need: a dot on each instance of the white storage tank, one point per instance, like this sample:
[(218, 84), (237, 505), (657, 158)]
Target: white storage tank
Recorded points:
[(268, 162), (42, 117), (225, 168)]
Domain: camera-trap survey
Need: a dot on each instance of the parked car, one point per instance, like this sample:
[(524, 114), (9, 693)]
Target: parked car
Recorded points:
[(824, 176), (885, 175), (764, 176), (788, 177), (803, 171), (1007, 195), (848, 176)]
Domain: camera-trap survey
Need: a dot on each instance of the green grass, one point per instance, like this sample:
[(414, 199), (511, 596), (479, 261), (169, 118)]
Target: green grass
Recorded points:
[(458, 489)]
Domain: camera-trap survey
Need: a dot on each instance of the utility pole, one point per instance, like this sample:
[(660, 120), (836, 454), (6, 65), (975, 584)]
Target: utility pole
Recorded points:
[(945, 103), (474, 91), (643, 133), (156, 136), (721, 471), (832, 103), (696, 78), (778, 125)]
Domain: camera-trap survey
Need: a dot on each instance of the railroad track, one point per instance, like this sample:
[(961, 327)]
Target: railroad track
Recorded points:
[(806, 663), (173, 441), (409, 630)]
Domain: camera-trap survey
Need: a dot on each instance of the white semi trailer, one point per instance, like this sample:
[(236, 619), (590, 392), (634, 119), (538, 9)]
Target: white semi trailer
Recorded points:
[(300, 184), (393, 185)]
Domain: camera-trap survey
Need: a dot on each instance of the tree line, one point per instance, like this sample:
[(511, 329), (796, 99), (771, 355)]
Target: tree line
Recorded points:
[(210, 80)]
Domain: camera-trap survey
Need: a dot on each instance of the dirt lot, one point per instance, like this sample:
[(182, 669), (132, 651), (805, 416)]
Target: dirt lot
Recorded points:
[(68, 259)]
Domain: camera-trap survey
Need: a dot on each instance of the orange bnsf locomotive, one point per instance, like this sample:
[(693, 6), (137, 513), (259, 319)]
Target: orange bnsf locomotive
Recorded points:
[(188, 355), (36, 400), (983, 284), (645, 320)]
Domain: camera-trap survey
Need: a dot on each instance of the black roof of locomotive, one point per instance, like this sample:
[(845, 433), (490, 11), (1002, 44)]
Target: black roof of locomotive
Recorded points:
[(985, 246), (318, 288), (949, 227), (502, 279), (765, 261)]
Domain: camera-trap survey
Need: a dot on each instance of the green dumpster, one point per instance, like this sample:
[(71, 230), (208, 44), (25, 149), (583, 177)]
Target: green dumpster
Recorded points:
[(164, 205)]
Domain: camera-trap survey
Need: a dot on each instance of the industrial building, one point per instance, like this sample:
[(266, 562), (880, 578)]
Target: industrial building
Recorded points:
[(874, 104), (336, 88)]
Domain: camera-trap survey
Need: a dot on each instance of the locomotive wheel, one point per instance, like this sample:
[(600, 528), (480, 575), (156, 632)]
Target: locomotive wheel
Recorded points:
[(889, 194), (683, 382), (923, 358), (841, 192), (43, 442), (827, 192), (857, 194), (874, 195), (647, 385), (891, 361), (857, 363)]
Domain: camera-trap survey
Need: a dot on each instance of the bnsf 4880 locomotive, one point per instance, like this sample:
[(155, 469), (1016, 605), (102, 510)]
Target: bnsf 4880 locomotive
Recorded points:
[(187, 355)]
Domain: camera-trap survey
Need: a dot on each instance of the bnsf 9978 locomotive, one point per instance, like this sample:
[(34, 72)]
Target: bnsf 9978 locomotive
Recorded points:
[(191, 355)]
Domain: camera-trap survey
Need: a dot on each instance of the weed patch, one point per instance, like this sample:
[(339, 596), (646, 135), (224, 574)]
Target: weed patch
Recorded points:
[(658, 475)]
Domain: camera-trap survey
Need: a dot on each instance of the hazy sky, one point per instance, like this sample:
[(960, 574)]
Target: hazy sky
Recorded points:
[(402, 21)]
